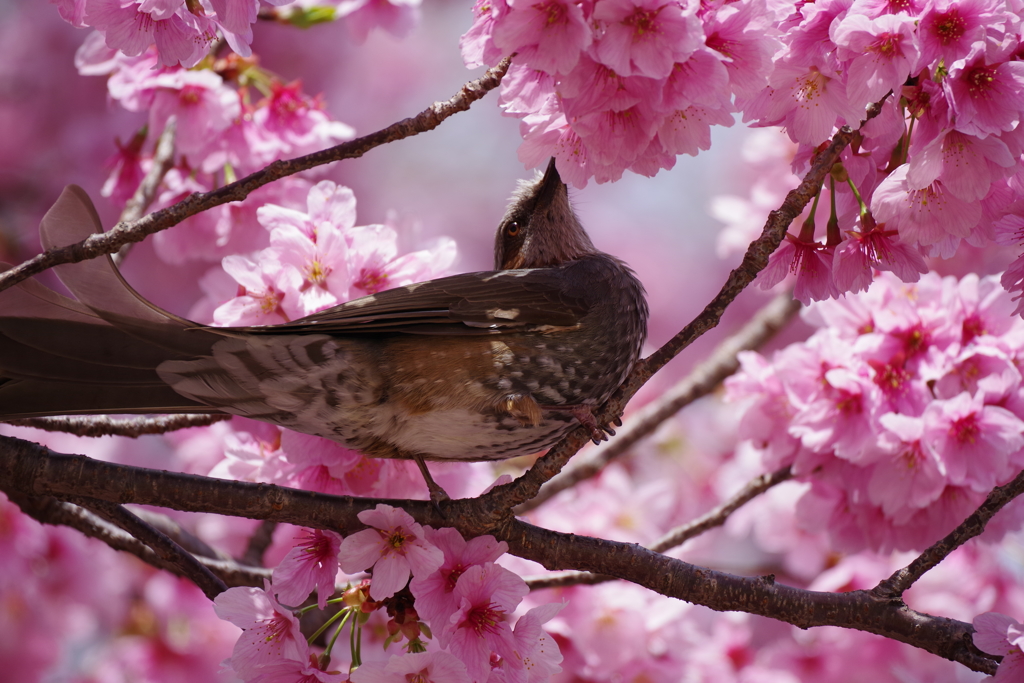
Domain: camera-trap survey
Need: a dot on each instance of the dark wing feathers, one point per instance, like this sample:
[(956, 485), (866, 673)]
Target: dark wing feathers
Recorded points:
[(471, 303)]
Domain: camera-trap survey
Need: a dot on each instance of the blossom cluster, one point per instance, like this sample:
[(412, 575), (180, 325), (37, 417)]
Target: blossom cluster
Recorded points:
[(621, 84), (320, 258), (184, 31), (902, 411), (461, 598), (630, 84), (939, 164)]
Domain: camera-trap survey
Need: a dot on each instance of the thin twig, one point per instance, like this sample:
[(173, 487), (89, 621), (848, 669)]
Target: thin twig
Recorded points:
[(709, 520), (717, 517), (902, 579), (136, 231), (167, 550), (258, 544), (104, 425), (49, 510), (145, 193), (700, 382)]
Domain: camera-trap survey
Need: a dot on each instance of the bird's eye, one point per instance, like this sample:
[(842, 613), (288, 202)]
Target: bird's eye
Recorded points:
[(512, 229)]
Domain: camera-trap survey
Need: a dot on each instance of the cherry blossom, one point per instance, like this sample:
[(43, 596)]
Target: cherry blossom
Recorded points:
[(394, 547), (423, 667), (999, 634), (312, 563), (270, 631)]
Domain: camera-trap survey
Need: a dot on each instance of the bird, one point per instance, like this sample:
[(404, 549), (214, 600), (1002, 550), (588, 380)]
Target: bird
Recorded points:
[(477, 366)]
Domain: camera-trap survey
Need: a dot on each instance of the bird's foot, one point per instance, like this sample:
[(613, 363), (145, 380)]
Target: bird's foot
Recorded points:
[(584, 414), (437, 494)]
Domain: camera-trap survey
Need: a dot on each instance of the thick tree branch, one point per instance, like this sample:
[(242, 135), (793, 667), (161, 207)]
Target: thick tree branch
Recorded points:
[(136, 231), (700, 382), (27, 468), (860, 610)]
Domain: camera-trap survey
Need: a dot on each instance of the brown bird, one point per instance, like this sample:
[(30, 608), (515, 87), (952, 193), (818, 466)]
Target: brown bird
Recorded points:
[(478, 366)]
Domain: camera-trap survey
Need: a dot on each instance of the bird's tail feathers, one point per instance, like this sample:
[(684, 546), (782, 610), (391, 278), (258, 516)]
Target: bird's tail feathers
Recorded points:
[(96, 354)]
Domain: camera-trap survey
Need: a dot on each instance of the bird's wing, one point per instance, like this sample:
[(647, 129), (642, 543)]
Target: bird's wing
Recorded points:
[(471, 303)]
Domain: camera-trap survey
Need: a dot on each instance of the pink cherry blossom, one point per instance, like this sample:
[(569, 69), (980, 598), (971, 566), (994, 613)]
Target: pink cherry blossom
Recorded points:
[(537, 650), (999, 634), (882, 54), (312, 563), (807, 101), (394, 547), (260, 298), (740, 32), (435, 591), (911, 477), (421, 667), (986, 98), (949, 28), (477, 44), (972, 439), (930, 216), (270, 632), (181, 37), (200, 103), (547, 35), (486, 595), (289, 123), (810, 261), (967, 165), (879, 249), (645, 37), (291, 671), (397, 17)]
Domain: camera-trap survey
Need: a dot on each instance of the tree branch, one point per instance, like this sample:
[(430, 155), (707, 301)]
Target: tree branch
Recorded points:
[(170, 554), (709, 520), (49, 510), (104, 425), (27, 468), (145, 193), (894, 587), (136, 231)]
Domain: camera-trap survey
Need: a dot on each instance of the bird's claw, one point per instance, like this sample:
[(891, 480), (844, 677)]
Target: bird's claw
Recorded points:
[(598, 433)]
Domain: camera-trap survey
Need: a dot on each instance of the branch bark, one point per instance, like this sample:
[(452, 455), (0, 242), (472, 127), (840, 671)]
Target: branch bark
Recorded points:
[(30, 469)]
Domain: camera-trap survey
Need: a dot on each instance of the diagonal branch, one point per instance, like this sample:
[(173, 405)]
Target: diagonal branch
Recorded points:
[(126, 233), (145, 193), (709, 520), (49, 510), (894, 587), (500, 499), (170, 554)]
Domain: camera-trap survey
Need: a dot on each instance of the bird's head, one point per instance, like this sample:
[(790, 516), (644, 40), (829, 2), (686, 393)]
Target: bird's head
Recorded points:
[(540, 229)]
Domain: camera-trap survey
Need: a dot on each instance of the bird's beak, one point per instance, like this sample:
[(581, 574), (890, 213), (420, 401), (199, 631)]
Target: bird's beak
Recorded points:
[(550, 185)]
